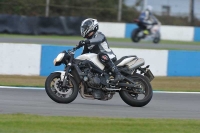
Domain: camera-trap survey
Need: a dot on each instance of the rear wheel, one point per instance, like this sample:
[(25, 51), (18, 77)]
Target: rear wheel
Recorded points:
[(138, 97), (57, 92), (157, 38)]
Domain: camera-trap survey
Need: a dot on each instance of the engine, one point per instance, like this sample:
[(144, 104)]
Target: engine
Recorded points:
[(94, 80)]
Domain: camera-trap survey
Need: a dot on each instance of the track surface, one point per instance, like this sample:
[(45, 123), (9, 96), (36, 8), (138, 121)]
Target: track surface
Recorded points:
[(162, 105), (112, 44)]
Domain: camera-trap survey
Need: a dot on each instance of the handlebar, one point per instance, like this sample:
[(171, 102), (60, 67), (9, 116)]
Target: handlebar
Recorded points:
[(70, 51), (146, 23)]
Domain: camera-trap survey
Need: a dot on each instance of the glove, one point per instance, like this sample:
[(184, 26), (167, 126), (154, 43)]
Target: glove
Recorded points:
[(83, 43)]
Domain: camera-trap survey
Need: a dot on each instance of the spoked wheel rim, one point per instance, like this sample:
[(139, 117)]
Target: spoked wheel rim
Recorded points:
[(140, 93), (59, 90)]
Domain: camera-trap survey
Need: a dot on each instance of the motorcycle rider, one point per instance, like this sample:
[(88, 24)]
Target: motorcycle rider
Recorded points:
[(96, 42), (148, 19)]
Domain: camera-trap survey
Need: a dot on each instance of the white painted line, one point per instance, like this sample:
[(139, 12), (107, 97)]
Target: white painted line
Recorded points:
[(30, 88), (37, 88), (179, 92)]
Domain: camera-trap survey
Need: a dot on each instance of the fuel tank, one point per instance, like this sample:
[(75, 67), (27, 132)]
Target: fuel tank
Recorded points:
[(93, 58)]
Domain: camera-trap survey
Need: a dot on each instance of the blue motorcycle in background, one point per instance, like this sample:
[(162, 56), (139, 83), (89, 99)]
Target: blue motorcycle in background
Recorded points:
[(146, 31)]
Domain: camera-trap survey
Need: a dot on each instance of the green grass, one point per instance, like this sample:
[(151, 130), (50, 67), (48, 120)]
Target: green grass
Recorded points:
[(109, 39), (23, 123), (42, 36)]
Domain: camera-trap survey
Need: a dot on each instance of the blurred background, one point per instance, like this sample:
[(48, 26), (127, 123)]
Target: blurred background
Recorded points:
[(169, 12), (179, 31)]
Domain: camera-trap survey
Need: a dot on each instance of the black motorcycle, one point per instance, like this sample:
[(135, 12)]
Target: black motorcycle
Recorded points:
[(142, 32), (86, 75)]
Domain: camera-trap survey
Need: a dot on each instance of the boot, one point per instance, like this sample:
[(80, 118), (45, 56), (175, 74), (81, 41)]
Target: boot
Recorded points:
[(117, 75), (115, 71)]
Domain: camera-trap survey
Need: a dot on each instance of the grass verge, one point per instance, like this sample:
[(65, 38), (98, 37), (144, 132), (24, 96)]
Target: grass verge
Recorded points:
[(23, 123), (189, 84), (109, 39)]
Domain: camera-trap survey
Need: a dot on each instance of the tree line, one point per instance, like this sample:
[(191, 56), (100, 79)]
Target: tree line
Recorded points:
[(103, 10)]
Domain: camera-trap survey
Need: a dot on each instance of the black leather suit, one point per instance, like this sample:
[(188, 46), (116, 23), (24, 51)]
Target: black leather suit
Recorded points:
[(98, 45)]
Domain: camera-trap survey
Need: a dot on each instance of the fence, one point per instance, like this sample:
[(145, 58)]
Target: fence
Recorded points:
[(15, 24)]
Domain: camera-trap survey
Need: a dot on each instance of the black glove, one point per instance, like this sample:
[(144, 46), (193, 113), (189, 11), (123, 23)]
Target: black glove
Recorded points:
[(83, 43)]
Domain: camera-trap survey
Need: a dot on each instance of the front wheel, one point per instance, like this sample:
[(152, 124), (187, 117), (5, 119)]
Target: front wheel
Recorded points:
[(58, 93), (138, 97), (134, 35)]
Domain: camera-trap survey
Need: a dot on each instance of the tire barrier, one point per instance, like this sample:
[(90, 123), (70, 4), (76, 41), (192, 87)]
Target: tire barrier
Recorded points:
[(14, 24)]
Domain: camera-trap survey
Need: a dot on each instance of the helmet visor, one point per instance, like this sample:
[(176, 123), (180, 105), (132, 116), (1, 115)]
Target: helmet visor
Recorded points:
[(85, 27)]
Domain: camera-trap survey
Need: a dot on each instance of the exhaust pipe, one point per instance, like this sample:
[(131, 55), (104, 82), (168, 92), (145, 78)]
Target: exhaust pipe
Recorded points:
[(126, 85), (84, 95)]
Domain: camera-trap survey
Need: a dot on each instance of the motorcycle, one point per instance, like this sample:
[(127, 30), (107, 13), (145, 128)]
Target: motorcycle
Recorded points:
[(86, 75), (142, 31)]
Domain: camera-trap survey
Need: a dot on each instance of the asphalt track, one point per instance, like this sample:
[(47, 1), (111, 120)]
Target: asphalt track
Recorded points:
[(112, 44), (162, 105)]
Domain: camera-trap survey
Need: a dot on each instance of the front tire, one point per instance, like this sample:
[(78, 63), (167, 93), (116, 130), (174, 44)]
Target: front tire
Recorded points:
[(131, 98), (134, 35), (59, 94)]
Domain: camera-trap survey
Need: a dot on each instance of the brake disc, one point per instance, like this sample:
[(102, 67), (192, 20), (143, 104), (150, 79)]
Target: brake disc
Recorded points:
[(60, 89)]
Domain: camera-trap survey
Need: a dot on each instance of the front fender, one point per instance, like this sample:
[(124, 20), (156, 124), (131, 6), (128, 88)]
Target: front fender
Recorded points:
[(62, 74)]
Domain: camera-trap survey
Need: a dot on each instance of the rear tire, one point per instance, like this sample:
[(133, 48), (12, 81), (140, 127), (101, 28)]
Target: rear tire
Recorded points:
[(54, 89), (157, 38), (131, 98)]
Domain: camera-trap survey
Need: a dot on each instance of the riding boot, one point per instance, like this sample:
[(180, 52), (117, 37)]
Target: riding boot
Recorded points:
[(116, 73)]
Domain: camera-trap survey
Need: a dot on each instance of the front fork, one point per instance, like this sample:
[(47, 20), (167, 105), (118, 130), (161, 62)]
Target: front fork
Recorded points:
[(67, 70), (65, 76)]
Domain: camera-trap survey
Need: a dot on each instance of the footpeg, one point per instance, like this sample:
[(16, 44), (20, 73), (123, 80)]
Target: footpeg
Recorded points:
[(113, 89)]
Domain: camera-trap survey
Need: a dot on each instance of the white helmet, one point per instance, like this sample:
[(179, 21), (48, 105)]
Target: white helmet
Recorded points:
[(150, 8), (87, 26)]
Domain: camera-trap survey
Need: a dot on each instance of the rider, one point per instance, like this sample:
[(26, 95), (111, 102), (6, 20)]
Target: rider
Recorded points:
[(96, 42), (148, 19)]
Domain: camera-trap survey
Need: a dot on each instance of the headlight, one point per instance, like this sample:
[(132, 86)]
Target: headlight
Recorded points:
[(58, 59)]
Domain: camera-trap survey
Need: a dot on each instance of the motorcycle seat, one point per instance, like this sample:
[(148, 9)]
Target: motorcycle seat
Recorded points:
[(126, 59)]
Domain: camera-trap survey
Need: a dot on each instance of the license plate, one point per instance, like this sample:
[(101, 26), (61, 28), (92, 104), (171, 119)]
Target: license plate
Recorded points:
[(149, 75)]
